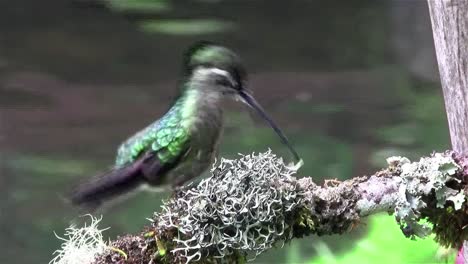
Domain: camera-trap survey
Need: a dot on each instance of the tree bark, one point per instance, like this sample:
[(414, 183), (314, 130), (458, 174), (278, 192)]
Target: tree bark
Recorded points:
[(449, 20)]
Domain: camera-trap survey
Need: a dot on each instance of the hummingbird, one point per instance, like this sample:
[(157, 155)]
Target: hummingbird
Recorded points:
[(183, 143)]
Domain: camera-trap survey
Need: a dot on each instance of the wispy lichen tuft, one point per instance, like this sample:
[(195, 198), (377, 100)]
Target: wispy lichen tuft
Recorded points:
[(81, 245), (242, 206)]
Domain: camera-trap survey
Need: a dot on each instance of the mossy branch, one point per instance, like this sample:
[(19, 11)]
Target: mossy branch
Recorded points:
[(250, 204)]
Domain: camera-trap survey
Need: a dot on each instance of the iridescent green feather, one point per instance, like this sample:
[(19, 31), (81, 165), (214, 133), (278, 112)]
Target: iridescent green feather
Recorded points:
[(168, 137)]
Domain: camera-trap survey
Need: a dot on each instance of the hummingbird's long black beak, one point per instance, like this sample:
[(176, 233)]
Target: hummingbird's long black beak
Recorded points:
[(250, 101)]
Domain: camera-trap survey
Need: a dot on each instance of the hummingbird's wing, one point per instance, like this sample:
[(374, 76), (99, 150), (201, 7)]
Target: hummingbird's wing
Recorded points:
[(167, 137), (151, 158), (168, 149), (161, 143)]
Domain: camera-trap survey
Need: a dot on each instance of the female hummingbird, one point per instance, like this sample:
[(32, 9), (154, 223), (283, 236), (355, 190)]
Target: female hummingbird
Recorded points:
[(183, 142)]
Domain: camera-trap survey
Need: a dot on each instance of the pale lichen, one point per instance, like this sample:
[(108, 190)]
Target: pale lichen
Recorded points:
[(81, 245), (242, 206), (420, 179)]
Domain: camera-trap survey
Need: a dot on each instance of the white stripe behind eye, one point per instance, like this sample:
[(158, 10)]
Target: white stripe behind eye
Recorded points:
[(207, 71)]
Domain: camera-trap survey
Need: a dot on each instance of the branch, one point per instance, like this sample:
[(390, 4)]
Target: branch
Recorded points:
[(250, 204)]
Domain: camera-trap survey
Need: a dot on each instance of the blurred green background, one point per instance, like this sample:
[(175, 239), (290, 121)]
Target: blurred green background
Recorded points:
[(350, 82)]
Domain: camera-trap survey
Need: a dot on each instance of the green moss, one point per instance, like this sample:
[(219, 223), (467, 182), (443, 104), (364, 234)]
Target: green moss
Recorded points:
[(161, 248), (304, 223), (449, 225), (119, 251)]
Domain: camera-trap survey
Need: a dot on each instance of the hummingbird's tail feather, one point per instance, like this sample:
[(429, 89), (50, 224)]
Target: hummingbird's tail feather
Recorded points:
[(92, 194)]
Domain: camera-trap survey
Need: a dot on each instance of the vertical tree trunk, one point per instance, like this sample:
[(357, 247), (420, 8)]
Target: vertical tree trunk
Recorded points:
[(449, 20), (450, 27)]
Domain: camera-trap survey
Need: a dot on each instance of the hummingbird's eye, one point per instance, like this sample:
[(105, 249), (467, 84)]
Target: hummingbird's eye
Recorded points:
[(223, 81)]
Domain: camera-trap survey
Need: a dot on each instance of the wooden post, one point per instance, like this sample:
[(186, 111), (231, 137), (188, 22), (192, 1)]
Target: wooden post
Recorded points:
[(449, 20)]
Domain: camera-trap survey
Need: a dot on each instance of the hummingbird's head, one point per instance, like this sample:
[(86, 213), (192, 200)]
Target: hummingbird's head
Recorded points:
[(216, 70), (216, 67)]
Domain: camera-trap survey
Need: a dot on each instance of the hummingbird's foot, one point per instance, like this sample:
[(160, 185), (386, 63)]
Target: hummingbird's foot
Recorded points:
[(177, 189), (332, 183)]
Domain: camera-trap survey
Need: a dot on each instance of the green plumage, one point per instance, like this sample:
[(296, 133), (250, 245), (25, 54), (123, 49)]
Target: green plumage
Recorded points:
[(167, 137)]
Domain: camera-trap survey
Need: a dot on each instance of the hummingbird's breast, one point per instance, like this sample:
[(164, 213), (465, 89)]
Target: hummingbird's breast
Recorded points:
[(205, 128)]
